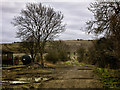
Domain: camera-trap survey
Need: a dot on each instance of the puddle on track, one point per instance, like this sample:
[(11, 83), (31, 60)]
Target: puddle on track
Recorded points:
[(34, 79), (15, 82), (26, 80), (18, 82)]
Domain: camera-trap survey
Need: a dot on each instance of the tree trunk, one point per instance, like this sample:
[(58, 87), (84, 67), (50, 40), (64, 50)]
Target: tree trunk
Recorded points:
[(41, 53), (33, 60), (42, 62)]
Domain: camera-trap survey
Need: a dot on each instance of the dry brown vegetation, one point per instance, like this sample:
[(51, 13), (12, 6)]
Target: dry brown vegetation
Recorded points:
[(74, 45)]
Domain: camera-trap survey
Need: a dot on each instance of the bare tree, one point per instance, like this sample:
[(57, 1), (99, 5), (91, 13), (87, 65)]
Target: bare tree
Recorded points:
[(29, 46), (106, 21), (40, 22), (104, 12)]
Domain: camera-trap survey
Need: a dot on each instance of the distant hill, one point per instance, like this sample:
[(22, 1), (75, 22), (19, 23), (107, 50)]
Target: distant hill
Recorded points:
[(73, 44)]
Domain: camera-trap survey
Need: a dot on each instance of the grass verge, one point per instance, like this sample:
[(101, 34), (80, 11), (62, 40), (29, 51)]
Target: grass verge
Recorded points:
[(108, 77)]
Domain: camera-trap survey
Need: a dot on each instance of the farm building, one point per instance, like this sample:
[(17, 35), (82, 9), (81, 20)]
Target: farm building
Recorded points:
[(7, 57), (9, 54)]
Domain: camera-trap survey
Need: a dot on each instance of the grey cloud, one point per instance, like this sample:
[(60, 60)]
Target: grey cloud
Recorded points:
[(75, 16), (12, 7), (74, 36), (7, 36)]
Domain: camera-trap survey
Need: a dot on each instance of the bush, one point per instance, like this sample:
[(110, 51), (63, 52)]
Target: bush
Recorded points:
[(81, 54), (63, 56), (55, 56), (52, 56), (91, 56), (57, 52), (102, 59), (101, 54)]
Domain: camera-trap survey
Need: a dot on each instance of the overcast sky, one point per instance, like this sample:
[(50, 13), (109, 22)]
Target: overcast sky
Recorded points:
[(75, 15)]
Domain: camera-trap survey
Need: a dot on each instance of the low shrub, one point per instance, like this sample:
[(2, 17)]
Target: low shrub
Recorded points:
[(57, 52), (52, 57), (75, 62), (81, 54), (102, 55)]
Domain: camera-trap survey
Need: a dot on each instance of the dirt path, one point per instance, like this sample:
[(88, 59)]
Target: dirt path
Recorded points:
[(60, 77), (73, 77)]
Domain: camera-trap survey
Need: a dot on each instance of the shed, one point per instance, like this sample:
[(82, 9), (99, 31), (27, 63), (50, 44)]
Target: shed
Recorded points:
[(7, 57)]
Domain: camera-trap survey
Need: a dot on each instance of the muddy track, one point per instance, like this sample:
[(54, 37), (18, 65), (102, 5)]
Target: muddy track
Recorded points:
[(60, 77), (73, 77)]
